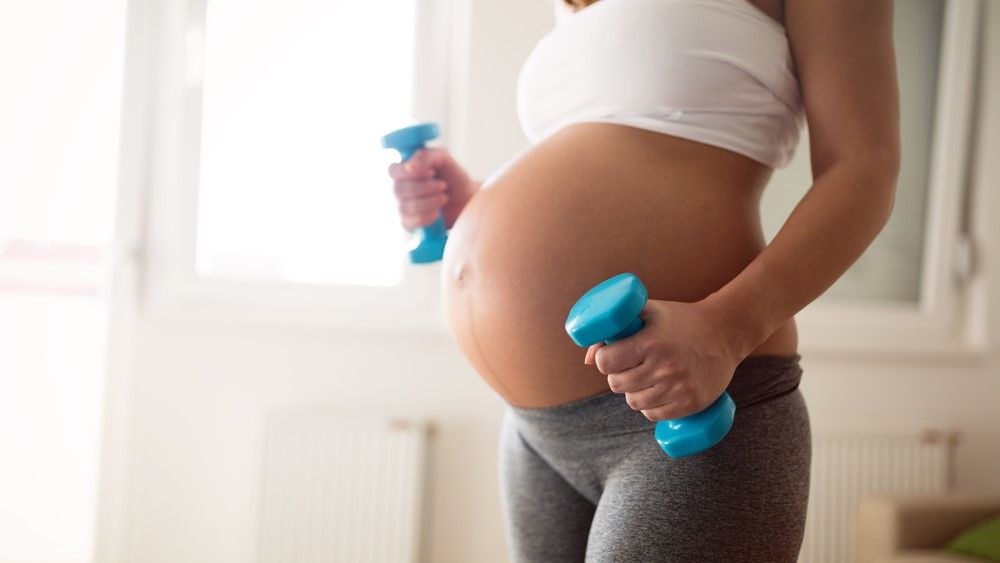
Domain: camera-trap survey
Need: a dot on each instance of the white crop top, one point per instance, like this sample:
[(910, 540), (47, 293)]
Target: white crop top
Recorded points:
[(715, 71)]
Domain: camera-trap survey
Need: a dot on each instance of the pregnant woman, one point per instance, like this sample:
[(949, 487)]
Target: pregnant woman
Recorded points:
[(655, 126)]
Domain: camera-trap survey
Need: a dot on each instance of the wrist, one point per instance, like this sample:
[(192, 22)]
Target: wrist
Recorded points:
[(460, 198), (471, 187), (742, 330)]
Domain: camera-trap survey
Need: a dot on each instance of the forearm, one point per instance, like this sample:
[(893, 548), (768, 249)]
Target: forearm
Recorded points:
[(459, 199), (847, 206), (472, 188)]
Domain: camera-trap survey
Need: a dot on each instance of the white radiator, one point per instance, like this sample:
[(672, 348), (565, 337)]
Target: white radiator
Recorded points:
[(850, 464), (340, 488)]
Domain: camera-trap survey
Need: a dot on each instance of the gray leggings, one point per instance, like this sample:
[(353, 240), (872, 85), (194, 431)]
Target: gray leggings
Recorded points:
[(586, 481)]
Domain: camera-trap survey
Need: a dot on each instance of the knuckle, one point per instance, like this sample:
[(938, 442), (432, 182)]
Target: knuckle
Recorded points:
[(644, 402), (666, 375), (652, 355), (420, 206), (654, 347), (691, 405), (422, 188), (602, 361), (431, 203), (615, 383), (686, 400), (431, 188), (661, 374), (672, 366), (409, 191)]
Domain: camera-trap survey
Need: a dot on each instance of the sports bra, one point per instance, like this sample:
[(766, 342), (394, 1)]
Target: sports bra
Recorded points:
[(715, 71)]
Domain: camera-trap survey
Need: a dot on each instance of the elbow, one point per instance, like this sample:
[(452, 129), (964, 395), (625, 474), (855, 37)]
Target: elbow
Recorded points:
[(886, 164), (880, 170), (888, 177)]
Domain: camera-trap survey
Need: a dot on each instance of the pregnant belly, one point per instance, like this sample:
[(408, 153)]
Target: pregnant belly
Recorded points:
[(589, 202)]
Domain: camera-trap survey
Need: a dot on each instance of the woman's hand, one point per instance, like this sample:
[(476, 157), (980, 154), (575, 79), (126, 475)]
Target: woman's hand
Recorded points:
[(677, 364), (429, 183)]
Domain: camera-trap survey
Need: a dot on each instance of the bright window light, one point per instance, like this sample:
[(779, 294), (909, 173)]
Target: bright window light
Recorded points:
[(59, 114), (890, 269), (293, 182)]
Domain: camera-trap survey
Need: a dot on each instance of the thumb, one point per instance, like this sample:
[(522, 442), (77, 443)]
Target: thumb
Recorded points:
[(592, 353), (429, 159)]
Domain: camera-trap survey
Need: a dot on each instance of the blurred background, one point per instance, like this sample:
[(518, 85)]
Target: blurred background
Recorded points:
[(213, 348)]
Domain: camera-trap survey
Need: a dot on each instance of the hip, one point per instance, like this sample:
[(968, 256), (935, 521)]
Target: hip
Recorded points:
[(600, 441)]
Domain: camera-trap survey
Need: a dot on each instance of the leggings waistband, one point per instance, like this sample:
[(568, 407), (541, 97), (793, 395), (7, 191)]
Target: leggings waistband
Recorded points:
[(756, 379)]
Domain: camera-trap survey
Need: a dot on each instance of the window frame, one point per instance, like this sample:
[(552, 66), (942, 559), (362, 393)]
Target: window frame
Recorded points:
[(172, 289), (936, 325), (172, 292)]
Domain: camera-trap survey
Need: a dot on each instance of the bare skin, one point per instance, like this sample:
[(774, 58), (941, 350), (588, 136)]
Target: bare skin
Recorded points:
[(587, 203), (595, 200)]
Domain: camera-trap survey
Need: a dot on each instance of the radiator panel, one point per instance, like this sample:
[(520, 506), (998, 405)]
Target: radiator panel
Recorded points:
[(341, 488), (848, 465)]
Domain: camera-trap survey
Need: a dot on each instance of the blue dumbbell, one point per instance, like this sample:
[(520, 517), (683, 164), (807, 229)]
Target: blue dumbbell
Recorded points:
[(428, 244), (610, 312)]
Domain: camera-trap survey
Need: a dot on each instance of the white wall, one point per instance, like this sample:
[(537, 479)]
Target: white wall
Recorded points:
[(199, 393)]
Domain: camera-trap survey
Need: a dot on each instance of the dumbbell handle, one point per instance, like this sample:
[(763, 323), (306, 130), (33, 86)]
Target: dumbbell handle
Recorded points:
[(620, 300), (437, 229), (633, 327), (428, 241)]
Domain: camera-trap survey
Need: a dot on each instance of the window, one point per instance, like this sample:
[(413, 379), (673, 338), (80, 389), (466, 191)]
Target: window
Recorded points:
[(901, 293), (272, 178), (890, 269), (256, 161), (292, 176)]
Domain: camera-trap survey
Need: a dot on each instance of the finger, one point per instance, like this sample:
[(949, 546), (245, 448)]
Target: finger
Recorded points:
[(631, 380), (430, 157), (589, 358), (419, 188), (619, 356), (422, 205), (648, 398), (411, 222), (408, 171), (427, 160), (670, 411)]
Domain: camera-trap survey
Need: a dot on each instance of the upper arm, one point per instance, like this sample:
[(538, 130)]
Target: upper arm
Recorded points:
[(846, 62)]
